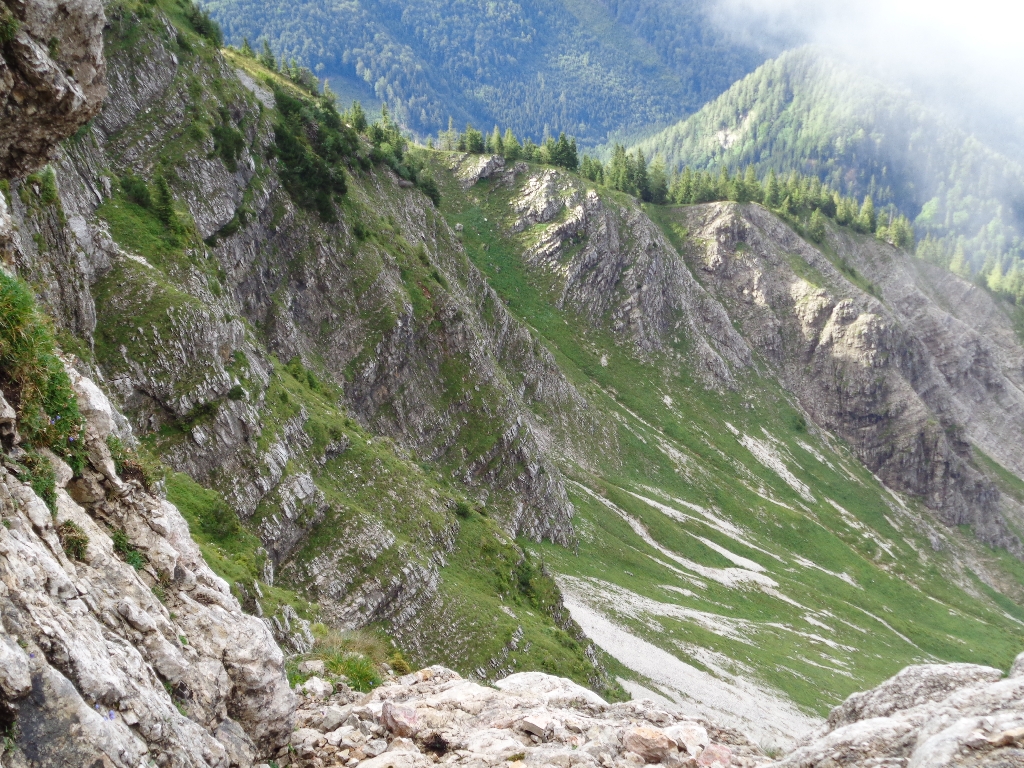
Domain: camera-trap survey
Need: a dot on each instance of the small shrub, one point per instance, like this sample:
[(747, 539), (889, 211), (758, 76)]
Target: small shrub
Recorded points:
[(236, 393), (136, 190), (127, 551), (126, 464), (463, 509), (73, 539), (33, 378), (399, 664), (228, 144), (48, 187), (8, 25), (42, 478)]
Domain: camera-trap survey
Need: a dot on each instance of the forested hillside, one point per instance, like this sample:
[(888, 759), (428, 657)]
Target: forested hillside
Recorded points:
[(805, 112), (586, 68)]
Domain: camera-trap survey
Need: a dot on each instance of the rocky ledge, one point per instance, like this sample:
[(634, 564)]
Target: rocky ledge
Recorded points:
[(929, 716), (434, 716)]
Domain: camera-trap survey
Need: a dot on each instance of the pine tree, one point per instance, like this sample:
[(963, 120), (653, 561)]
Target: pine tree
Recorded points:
[(473, 141), (163, 204), (658, 182), (247, 50), (618, 171), (959, 265), (686, 188), (497, 144), (771, 191), (995, 277), (866, 221), (816, 227), (266, 57), (641, 179), (513, 150), (751, 186)]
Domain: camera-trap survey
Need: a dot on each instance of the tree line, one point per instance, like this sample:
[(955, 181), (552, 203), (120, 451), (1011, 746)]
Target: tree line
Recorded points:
[(800, 198), (315, 143), (560, 152)]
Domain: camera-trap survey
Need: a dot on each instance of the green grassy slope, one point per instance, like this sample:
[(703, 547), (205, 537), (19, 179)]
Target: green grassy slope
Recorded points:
[(837, 588)]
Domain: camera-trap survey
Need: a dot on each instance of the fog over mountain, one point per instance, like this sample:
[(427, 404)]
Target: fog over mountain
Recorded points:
[(960, 58)]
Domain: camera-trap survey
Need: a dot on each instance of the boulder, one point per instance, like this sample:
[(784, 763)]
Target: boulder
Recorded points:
[(692, 737), (315, 687), (399, 719), (715, 756), (312, 667), (651, 744)]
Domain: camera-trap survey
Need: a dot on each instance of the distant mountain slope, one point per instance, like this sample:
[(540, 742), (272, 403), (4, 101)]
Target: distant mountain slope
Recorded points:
[(583, 67), (805, 112)]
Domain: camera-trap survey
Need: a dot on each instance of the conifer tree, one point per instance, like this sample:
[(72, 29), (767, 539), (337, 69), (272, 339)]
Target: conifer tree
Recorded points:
[(513, 150), (959, 265), (641, 180), (163, 206), (771, 191), (816, 227), (658, 182), (266, 57), (866, 221), (247, 50)]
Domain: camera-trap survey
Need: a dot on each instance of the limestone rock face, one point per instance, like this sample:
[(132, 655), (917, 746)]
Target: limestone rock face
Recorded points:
[(929, 716), (52, 77), (609, 260), (105, 664), (885, 364)]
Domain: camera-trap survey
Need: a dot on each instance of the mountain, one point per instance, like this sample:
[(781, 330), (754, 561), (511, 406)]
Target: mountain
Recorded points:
[(586, 68), (810, 113), (302, 404)]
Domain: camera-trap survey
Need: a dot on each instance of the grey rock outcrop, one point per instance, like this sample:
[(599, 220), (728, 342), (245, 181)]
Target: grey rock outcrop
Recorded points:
[(52, 77), (434, 717), (930, 716), (907, 384), (609, 260), (103, 663)]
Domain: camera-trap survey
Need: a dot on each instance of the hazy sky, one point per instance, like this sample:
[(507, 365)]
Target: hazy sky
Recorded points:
[(967, 57)]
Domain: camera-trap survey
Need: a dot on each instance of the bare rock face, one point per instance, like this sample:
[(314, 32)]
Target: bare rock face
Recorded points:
[(905, 383), (929, 716), (106, 663), (52, 77), (435, 717), (609, 259)]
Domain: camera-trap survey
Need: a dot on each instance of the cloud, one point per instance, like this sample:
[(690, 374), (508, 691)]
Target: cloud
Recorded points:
[(964, 57)]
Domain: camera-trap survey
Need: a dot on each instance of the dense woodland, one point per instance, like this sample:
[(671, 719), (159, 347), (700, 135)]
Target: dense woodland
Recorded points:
[(805, 113), (540, 66)]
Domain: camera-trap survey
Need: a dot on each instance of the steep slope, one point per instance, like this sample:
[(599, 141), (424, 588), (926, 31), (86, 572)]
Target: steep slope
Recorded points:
[(806, 112), (587, 68), (347, 387), (430, 416), (124, 645), (734, 556)]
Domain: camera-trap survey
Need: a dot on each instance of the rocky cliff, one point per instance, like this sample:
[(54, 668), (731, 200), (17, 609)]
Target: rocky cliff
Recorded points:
[(882, 350), (119, 645)]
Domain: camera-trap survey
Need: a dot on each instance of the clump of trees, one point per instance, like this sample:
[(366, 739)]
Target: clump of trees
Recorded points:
[(1000, 273), (798, 197), (561, 152), (316, 144)]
